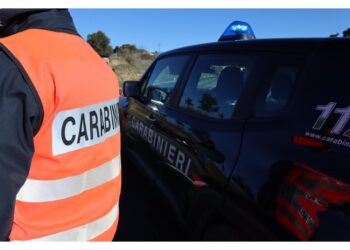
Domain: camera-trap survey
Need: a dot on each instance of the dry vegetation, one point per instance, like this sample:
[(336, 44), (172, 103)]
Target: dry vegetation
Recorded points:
[(130, 64)]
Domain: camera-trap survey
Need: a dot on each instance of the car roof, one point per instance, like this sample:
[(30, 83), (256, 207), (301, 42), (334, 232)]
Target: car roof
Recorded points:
[(301, 45)]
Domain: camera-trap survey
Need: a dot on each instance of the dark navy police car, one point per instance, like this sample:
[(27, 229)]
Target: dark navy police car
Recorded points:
[(247, 139)]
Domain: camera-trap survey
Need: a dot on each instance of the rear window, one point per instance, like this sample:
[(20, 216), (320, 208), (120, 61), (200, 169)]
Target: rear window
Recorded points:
[(279, 84)]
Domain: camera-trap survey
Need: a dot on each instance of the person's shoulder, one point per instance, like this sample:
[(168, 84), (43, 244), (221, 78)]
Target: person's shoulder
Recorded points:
[(13, 83), (11, 75), (6, 64)]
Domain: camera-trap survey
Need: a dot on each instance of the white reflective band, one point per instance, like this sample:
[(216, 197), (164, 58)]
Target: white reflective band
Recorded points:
[(85, 232), (83, 127), (51, 190)]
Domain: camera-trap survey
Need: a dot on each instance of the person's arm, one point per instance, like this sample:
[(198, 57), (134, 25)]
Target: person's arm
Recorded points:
[(19, 119)]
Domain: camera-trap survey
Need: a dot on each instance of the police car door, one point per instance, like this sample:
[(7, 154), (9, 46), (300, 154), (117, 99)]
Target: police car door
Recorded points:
[(145, 113), (203, 136)]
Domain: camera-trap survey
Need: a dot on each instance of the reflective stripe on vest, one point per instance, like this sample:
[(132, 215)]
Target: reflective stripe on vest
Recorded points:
[(85, 232), (50, 190)]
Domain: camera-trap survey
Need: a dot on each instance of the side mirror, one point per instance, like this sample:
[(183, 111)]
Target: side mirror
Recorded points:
[(131, 88)]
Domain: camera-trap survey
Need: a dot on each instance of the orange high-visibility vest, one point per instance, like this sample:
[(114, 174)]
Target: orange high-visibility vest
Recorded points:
[(72, 191)]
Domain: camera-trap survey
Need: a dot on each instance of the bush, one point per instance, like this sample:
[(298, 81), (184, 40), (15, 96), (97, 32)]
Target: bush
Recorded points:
[(100, 42)]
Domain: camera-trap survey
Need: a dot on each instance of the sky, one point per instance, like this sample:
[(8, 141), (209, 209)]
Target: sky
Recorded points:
[(166, 29)]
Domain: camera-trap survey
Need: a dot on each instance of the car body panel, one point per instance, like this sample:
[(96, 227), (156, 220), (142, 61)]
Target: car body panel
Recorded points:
[(272, 163)]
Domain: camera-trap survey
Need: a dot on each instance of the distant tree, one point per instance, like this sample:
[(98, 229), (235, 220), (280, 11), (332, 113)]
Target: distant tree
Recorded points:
[(129, 47), (116, 48), (208, 103), (334, 35), (100, 42), (189, 102), (127, 50), (346, 33)]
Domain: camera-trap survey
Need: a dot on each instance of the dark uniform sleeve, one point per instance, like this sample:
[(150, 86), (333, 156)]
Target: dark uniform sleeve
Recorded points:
[(20, 116)]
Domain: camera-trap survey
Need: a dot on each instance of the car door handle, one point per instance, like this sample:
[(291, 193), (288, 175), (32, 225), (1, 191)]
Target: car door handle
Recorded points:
[(150, 118)]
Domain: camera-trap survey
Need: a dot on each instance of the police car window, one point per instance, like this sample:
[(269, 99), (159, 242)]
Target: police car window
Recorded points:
[(278, 92), (215, 85), (163, 78)]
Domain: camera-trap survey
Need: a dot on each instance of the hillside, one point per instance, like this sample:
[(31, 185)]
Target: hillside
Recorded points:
[(130, 62)]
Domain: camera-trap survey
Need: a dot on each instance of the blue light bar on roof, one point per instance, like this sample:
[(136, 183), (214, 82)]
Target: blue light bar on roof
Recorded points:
[(237, 30)]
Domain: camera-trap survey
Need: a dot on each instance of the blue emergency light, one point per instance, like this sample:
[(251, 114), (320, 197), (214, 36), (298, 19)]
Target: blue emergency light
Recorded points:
[(238, 30)]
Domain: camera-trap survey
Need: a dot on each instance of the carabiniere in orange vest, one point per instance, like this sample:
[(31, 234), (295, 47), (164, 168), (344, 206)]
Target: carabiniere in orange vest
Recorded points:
[(72, 191)]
